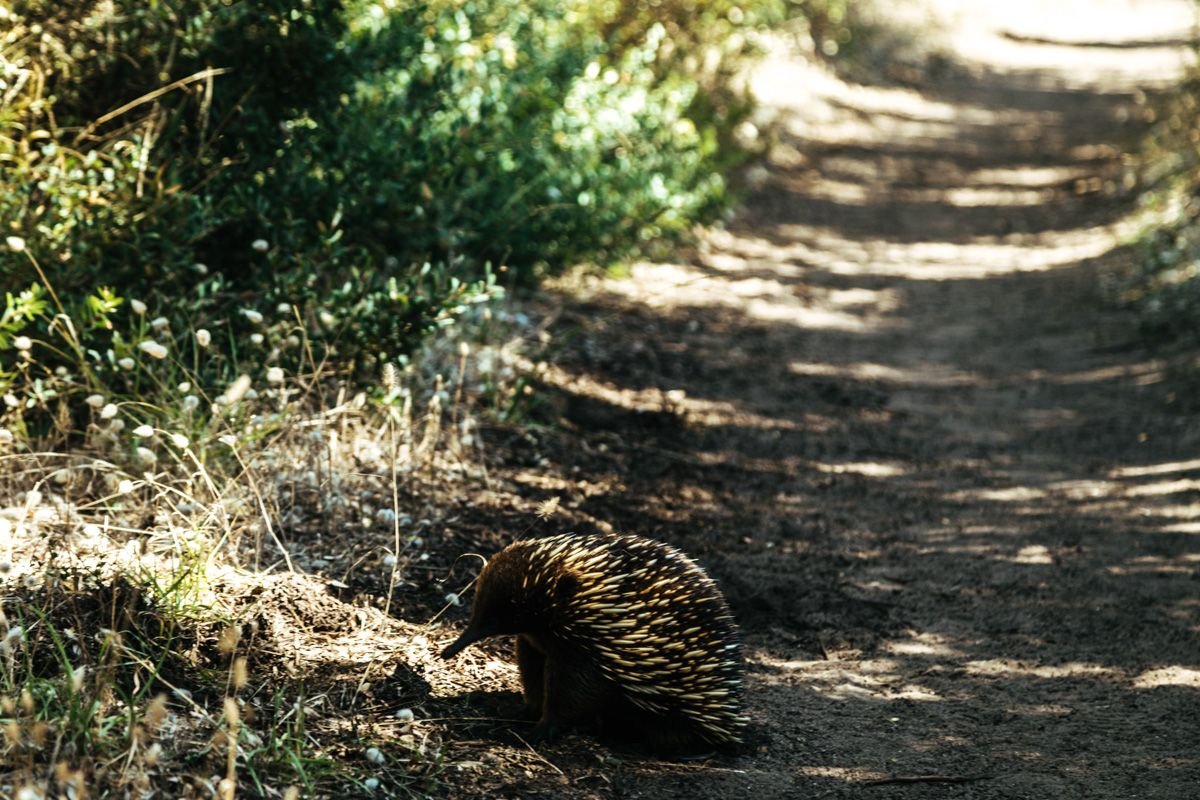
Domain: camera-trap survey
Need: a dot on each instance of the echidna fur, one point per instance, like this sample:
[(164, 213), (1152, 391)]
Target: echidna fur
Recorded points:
[(620, 629)]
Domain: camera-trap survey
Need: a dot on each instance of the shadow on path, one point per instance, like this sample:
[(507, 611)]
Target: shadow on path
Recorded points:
[(952, 500)]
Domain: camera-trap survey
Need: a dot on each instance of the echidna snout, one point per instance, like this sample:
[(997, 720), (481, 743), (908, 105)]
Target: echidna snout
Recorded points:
[(620, 630), (468, 638)]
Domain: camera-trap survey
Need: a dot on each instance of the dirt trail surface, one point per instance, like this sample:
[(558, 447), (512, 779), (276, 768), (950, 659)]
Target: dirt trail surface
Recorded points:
[(951, 497)]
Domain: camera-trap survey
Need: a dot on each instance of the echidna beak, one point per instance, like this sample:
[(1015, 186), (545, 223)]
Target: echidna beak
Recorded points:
[(469, 637)]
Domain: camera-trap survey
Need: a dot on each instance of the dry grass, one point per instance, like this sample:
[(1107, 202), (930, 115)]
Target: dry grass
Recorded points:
[(172, 627)]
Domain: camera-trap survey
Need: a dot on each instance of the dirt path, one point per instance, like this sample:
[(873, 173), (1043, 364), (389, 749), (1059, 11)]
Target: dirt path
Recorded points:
[(952, 498)]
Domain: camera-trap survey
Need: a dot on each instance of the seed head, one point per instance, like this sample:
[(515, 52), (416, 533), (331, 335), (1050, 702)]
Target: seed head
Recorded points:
[(153, 349)]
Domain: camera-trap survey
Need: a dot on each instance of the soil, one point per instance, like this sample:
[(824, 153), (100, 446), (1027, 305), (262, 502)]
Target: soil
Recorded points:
[(950, 493)]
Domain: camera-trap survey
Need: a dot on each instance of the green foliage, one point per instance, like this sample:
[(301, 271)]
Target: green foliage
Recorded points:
[(1165, 288), (377, 166), (20, 310)]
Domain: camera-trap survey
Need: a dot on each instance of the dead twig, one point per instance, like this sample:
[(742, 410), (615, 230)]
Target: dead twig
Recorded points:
[(202, 75), (538, 755)]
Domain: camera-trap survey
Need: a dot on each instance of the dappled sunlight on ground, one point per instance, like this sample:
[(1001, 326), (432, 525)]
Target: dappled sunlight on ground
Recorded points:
[(839, 253), (1001, 667), (872, 469), (1167, 468), (763, 299), (1082, 48), (949, 494)]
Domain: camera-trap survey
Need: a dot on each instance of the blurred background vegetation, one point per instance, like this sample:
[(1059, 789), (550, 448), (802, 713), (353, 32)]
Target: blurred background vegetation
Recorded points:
[(370, 170), (1165, 288)]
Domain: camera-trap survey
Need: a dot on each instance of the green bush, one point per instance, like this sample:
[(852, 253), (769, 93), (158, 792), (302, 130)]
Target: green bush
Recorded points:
[(375, 165), (1165, 288)]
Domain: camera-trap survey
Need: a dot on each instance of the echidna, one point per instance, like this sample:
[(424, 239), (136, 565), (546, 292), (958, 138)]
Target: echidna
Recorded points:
[(620, 630)]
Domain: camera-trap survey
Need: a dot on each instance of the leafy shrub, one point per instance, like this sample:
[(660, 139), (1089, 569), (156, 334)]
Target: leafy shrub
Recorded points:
[(379, 166), (1165, 287)]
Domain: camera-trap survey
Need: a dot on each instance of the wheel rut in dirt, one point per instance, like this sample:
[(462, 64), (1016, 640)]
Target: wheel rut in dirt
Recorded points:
[(951, 497)]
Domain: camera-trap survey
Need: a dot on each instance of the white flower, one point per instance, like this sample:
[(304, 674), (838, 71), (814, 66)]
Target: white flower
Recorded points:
[(283, 308), (191, 403), (252, 315), (125, 486), (453, 599), (109, 411), (126, 363), (77, 676), (179, 440), (201, 269), (147, 455), (374, 755), (260, 246), (389, 561), (236, 391), (94, 400), (11, 400), (327, 319), (6, 436), (33, 498), (229, 440), (116, 426), (371, 784), (275, 375), (256, 338), (143, 431), (153, 349), (15, 243), (185, 387), (405, 715), (15, 632), (158, 323), (203, 337), (22, 343), (138, 307)]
